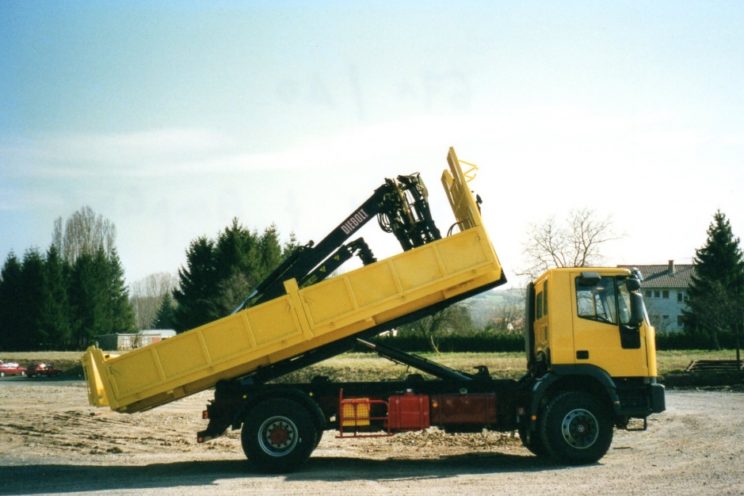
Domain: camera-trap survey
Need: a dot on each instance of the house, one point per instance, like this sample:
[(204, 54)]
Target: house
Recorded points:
[(129, 340), (665, 293)]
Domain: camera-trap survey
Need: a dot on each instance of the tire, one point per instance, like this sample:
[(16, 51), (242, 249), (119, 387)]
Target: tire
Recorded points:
[(576, 428), (278, 435), (318, 437), (532, 441)]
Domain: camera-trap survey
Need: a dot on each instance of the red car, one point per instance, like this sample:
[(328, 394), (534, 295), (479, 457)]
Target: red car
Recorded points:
[(42, 369), (11, 368)]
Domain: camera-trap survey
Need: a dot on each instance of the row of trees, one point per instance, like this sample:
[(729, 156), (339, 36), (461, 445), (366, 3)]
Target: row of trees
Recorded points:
[(66, 296), (63, 298)]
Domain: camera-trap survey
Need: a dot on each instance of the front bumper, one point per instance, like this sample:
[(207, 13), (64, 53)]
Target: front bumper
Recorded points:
[(657, 396), (640, 401)]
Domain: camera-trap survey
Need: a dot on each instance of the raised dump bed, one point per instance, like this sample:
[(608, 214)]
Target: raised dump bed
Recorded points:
[(305, 318)]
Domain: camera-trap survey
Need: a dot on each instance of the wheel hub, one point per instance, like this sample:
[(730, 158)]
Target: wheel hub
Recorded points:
[(277, 436), (580, 428)]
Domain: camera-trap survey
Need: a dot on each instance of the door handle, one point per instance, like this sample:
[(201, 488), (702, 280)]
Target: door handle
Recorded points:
[(582, 355)]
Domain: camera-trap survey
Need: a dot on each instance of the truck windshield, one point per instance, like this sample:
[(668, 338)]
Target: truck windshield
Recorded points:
[(597, 301)]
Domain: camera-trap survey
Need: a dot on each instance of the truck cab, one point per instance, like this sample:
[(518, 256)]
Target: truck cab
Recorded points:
[(587, 335), (588, 319)]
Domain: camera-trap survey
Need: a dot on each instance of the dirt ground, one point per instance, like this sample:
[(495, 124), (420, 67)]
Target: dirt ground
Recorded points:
[(51, 442)]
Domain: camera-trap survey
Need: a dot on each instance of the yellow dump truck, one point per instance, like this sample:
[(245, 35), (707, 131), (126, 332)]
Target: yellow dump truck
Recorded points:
[(590, 349)]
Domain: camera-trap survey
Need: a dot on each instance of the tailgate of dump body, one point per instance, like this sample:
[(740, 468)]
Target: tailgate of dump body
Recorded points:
[(96, 391), (303, 319)]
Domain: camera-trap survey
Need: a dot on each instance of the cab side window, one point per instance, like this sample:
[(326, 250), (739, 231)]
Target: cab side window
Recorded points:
[(541, 302), (545, 298), (538, 306)]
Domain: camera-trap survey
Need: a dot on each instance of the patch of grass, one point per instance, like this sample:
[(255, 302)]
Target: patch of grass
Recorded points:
[(40, 356), (512, 365), (672, 361), (369, 367)]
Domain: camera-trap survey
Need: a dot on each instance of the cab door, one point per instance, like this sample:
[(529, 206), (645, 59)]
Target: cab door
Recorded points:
[(603, 335)]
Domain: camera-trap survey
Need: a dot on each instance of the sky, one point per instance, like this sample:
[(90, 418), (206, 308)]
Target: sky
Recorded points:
[(172, 118)]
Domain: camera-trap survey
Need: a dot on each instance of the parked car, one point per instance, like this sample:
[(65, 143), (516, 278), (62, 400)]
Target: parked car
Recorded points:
[(42, 369), (11, 368)]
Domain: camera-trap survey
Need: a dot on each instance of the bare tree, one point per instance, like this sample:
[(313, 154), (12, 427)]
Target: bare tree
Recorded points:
[(508, 317), (147, 295), (84, 233), (450, 320), (577, 242)]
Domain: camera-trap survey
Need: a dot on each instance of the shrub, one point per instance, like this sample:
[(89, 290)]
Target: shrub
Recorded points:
[(691, 341)]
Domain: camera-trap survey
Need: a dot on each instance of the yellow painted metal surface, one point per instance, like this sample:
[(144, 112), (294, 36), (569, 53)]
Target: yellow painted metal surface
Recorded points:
[(561, 333), (303, 319)]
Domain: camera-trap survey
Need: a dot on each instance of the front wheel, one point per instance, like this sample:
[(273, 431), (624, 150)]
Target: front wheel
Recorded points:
[(278, 435), (531, 440), (576, 428)]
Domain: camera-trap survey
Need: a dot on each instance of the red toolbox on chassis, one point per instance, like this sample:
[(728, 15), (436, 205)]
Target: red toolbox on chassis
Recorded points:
[(408, 412), (474, 408)]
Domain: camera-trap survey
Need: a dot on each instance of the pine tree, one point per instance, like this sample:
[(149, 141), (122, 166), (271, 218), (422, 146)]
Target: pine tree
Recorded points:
[(87, 293), (237, 261), (31, 334), (165, 316), (55, 309), (269, 252), (290, 246), (10, 312), (120, 312), (197, 286), (716, 293), (244, 258)]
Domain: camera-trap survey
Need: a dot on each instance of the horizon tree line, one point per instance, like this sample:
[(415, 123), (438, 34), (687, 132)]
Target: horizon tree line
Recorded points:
[(66, 296)]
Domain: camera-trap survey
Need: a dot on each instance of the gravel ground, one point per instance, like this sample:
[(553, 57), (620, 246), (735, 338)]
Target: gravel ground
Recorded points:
[(51, 442)]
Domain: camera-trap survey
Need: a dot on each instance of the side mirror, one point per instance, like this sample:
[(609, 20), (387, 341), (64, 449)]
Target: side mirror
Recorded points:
[(637, 310), (633, 284)]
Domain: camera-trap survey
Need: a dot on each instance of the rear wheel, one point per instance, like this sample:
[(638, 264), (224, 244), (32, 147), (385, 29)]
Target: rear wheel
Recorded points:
[(278, 435), (576, 428)]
